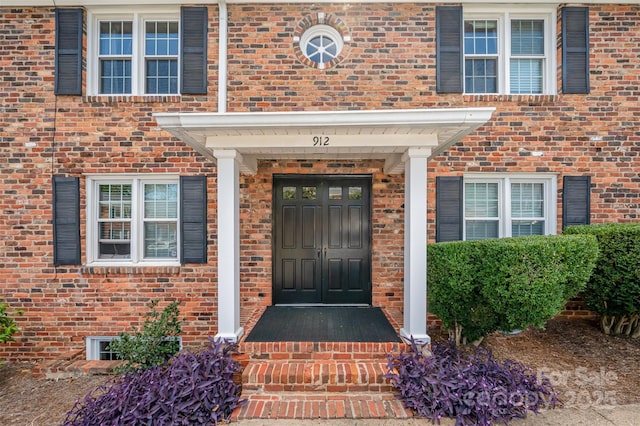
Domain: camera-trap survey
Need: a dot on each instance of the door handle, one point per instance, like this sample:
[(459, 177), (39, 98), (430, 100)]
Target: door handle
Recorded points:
[(319, 253)]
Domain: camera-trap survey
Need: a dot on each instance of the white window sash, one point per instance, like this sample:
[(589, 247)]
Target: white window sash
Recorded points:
[(137, 219), (138, 18), (505, 216), (504, 14)]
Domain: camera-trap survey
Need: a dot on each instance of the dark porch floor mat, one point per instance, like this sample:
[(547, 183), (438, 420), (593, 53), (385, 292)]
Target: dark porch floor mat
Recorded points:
[(322, 324)]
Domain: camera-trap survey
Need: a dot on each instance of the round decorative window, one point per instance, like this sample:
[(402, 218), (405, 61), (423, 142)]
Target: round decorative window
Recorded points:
[(321, 43)]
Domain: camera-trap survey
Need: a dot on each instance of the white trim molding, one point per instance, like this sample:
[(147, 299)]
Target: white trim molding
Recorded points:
[(415, 247), (379, 134)]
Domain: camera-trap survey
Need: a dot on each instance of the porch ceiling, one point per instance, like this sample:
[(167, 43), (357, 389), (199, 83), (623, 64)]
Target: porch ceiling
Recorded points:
[(374, 134)]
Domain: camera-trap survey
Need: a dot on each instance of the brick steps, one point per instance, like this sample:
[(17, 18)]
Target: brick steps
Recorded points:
[(316, 376), (317, 380), (321, 405), (299, 351)]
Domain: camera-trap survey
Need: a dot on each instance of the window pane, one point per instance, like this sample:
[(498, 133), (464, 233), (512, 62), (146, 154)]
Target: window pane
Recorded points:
[(289, 193), (481, 200), (160, 201), (480, 37), (355, 193), (527, 37), (162, 76), (335, 193), (160, 239), (526, 76), (114, 221), (115, 76), (116, 38), (161, 38), (481, 229), (527, 227), (105, 352), (114, 250), (322, 48), (527, 200), (115, 201), (309, 192), (481, 76), (115, 231)]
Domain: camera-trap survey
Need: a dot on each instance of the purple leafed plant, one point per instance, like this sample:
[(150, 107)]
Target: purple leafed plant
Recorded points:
[(470, 385), (195, 388)]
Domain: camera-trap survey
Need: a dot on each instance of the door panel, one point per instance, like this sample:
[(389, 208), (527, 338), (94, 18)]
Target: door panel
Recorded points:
[(322, 237)]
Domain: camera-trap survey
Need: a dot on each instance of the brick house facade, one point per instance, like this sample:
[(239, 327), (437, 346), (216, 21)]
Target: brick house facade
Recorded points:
[(238, 102)]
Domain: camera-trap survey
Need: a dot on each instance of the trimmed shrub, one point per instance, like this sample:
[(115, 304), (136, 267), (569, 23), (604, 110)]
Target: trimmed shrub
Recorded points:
[(477, 287), (154, 344), (470, 386), (614, 288), (455, 294), (193, 389)]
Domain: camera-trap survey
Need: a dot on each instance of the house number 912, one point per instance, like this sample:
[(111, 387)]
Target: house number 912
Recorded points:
[(321, 141)]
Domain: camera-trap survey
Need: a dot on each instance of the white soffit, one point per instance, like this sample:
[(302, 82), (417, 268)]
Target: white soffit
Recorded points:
[(382, 134)]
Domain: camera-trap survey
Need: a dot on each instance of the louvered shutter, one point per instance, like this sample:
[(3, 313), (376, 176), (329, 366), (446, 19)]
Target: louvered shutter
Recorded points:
[(68, 60), (576, 200), (66, 220), (449, 208), (193, 40), (449, 54), (193, 219), (575, 50)]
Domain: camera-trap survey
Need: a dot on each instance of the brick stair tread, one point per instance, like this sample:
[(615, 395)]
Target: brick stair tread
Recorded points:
[(327, 375), (321, 405), (301, 351)]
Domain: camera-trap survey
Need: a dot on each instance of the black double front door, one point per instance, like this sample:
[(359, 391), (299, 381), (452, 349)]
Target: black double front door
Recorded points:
[(322, 239)]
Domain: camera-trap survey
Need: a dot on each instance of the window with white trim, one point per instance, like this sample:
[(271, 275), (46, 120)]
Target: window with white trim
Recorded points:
[(98, 348), (133, 54), (321, 44), (509, 206), (133, 219), (509, 51)]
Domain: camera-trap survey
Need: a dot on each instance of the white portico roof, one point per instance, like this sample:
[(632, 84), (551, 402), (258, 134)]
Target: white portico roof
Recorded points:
[(379, 134)]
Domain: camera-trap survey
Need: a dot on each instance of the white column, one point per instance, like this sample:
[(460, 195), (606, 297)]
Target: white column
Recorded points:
[(228, 245), (415, 246)]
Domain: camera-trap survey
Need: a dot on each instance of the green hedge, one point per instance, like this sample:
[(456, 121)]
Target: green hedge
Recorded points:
[(614, 288), (477, 287)]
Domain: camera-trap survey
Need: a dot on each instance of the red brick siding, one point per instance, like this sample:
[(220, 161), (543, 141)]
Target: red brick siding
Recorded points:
[(388, 64), (72, 135)]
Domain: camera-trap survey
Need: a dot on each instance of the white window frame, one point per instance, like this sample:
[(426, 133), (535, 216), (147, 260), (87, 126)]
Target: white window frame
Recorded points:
[(137, 220), (504, 14), (92, 345), (321, 30), (138, 17), (504, 181)]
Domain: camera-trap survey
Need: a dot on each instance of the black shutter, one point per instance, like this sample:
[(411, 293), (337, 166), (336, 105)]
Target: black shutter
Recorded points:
[(449, 54), (575, 50), (449, 208), (576, 200), (66, 220), (193, 39), (68, 73), (193, 219)]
